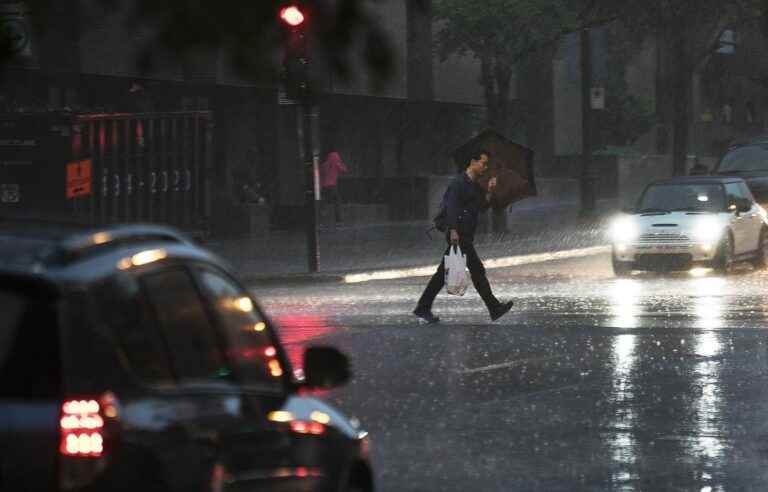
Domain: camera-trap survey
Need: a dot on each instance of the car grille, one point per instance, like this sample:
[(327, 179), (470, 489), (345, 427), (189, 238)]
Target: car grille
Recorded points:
[(663, 261), (663, 237)]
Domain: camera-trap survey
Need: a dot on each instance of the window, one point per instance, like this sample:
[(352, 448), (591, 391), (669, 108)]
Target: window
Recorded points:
[(683, 197), (249, 345), (749, 158), (183, 322), (734, 191), (30, 364), (746, 192), (126, 315)]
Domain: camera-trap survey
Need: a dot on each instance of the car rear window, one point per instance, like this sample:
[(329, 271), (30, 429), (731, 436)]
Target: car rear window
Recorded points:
[(750, 158), (29, 356)]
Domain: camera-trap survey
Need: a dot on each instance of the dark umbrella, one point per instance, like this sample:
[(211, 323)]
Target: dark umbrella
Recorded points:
[(511, 164)]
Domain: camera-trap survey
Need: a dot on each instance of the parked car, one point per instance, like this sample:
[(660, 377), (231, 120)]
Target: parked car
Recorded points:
[(133, 360), (748, 161), (687, 221)]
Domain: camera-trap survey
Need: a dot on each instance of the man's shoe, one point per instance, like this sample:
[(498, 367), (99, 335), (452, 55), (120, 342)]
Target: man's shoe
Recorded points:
[(501, 310), (426, 315)]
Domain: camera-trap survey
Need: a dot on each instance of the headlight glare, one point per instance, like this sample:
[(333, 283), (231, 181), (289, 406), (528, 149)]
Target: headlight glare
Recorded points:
[(707, 230), (624, 229)]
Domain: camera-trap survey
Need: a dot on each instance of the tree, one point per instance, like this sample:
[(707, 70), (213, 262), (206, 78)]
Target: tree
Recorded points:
[(626, 116), (246, 32), (501, 34), (687, 33)]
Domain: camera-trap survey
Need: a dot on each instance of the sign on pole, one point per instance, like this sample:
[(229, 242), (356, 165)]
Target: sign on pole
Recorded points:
[(597, 96)]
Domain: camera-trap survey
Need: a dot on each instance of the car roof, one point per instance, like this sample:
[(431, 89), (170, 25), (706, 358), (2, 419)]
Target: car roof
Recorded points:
[(704, 179), (760, 140), (65, 253)]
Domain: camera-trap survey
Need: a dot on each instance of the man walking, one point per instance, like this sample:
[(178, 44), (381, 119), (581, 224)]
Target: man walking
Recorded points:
[(464, 200)]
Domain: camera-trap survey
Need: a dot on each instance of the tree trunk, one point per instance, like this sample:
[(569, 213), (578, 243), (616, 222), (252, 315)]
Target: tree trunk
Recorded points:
[(503, 76), (681, 105), (489, 89)]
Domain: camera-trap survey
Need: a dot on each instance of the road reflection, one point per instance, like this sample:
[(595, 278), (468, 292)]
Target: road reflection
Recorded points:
[(621, 440), (624, 296), (708, 418), (297, 331), (678, 415), (633, 303), (708, 301)]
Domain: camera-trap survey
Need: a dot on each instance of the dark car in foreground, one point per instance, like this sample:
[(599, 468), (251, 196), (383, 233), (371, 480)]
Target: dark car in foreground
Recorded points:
[(748, 161), (132, 360)]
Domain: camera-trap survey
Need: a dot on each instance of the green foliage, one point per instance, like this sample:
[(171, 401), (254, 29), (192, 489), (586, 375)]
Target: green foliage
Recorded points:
[(626, 117), (508, 29)]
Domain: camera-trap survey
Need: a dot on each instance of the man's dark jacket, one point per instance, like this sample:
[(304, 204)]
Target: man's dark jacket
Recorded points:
[(464, 200)]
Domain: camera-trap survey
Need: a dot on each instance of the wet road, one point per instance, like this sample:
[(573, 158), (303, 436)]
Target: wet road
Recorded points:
[(592, 383)]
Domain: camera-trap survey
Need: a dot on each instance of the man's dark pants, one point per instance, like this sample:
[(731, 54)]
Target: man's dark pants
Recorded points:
[(476, 270)]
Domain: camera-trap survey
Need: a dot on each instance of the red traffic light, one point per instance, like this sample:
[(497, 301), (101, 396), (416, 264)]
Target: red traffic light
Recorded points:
[(292, 16)]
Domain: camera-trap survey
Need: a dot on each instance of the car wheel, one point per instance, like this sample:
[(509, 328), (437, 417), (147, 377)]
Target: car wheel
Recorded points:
[(724, 258), (621, 268), (761, 257)]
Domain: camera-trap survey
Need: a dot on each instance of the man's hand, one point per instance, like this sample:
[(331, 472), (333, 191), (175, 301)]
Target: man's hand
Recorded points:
[(454, 236), (491, 184)]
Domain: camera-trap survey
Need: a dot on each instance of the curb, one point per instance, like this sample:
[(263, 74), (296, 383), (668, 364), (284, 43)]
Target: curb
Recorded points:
[(293, 278), (416, 271)]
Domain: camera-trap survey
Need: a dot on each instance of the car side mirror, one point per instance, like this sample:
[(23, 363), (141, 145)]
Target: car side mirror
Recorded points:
[(744, 205), (740, 206), (325, 368)]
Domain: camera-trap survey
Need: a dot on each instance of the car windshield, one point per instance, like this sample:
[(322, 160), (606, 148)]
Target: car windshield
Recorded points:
[(750, 158), (682, 197)]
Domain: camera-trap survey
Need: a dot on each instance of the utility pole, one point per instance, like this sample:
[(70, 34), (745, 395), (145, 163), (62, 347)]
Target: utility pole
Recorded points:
[(587, 178), (296, 78)]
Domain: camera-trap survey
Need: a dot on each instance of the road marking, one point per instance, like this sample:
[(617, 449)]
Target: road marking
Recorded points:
[(493, 263), (504, 365)]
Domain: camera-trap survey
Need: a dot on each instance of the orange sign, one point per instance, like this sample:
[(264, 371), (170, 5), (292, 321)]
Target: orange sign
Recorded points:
[(78, 178)]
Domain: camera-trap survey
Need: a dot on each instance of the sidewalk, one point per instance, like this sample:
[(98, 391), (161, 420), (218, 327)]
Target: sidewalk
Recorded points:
[(281, 256)]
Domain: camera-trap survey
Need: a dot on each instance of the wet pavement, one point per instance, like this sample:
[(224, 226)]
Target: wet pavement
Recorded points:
[(656, 382)]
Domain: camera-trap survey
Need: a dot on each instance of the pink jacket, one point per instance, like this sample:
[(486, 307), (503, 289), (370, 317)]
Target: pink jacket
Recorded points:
[(330, 168)]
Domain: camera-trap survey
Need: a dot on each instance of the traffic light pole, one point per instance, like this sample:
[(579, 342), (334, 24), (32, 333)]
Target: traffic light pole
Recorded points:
[(307, 130), (296, 63)]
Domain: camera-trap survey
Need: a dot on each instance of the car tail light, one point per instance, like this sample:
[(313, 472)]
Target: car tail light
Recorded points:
[(83, 425), (302, 427), (88, 429), (82, 428)]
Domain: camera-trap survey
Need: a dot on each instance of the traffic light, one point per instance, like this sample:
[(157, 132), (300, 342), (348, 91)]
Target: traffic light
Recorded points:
[(295, 72), (292, 15)]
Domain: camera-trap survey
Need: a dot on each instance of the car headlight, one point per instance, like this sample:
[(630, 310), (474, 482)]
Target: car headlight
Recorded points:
[(707, 230), (624, 229)]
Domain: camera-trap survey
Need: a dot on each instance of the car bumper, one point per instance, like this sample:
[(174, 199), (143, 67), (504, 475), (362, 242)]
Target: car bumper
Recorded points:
[(676, 252)]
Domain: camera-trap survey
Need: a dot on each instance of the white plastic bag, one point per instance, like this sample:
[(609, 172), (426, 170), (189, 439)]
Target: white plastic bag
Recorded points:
[(456, 275)]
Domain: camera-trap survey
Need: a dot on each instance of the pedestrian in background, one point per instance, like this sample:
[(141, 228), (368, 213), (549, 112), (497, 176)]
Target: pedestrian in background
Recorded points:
[(727, 112), (464, 200), (329, 172), (698, 169)]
